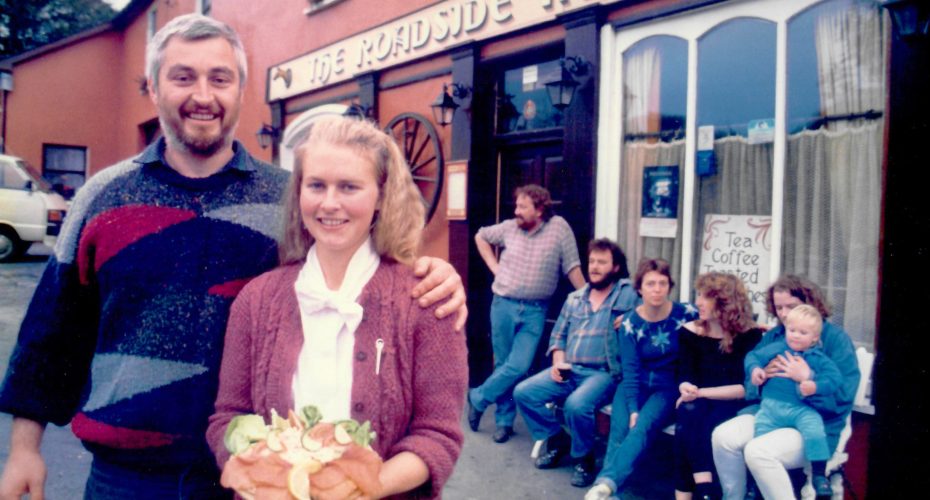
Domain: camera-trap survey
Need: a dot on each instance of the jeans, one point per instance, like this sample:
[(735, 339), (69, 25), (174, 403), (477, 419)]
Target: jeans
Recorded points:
[(586, 390), (776, 414), (768, 457), (516, 326), (625, 445), (109, 481)]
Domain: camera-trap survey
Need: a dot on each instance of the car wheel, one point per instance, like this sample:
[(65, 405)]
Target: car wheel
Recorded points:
[(11, 246)]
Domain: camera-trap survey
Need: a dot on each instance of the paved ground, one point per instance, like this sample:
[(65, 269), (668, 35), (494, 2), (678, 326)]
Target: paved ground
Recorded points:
[(67, 460), (486, 470)]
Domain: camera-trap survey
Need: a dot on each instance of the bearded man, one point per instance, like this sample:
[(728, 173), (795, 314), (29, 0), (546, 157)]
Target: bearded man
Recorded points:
[(124, 334), (536, 246), (579, 379)]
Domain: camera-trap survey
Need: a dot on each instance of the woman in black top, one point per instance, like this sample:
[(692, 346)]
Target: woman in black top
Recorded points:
[(711, 352)]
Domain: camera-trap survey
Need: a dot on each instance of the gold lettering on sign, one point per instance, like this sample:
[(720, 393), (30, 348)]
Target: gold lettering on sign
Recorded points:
[(427, 31), (496, 11), (475, 15), (419, 33)]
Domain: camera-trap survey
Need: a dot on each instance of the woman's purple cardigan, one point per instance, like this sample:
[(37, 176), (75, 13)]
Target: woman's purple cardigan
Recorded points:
[(414, 404)]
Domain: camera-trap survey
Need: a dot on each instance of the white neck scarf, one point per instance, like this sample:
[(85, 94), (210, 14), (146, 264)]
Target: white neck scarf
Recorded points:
[(313, 295), (329, 319)]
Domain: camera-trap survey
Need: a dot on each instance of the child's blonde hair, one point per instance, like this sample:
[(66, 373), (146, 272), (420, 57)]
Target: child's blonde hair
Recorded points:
[(806, 312)]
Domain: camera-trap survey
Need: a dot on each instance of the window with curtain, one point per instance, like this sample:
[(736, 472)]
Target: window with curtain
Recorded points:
[(735, 88), (64, 167), (831, 158), (833, 178), (654, 101)]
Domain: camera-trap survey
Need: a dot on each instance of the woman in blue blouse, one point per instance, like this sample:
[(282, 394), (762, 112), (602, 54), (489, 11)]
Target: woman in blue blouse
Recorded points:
[(648, 350)]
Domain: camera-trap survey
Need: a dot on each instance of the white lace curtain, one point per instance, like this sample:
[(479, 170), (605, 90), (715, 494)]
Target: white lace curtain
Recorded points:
[(642, 78), (833, 174), (636, 156)]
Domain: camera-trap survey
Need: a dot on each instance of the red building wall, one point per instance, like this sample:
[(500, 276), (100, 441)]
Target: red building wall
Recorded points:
[(65, 97)]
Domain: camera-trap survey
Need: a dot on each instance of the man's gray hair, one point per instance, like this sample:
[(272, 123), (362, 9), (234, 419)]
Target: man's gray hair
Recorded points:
[(191, 27)]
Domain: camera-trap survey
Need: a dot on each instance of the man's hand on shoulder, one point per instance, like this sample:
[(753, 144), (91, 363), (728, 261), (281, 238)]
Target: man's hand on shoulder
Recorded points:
[(440, 281)]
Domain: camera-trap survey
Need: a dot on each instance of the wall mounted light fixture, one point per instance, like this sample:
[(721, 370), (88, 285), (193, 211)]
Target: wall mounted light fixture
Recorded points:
[(562, 91), (911, 18), (445, 104), (357, 110), (267, 135)]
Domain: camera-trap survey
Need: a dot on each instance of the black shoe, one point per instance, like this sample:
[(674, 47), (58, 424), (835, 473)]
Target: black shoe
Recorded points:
[(551, 458), (474, 416), (584, 473), (822, 487), (502, 434)]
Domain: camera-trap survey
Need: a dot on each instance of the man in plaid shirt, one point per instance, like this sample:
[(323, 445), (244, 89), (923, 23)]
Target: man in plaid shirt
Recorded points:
[(579, 379), (537, 248)]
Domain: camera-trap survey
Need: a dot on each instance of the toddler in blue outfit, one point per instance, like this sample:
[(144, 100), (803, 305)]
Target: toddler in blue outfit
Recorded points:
[(783, 392)]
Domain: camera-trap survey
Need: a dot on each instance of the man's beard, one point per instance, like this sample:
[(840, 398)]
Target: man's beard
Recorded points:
[(200, 146), (524, 224), (605, 282)]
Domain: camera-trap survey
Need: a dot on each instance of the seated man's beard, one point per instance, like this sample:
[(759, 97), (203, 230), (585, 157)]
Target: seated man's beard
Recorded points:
[(608, 279)]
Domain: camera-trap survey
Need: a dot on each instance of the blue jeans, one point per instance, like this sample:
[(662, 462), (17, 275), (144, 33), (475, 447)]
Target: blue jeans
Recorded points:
[(586, 390), (109, 481), (625, 445), (516, 326), (775, 414)]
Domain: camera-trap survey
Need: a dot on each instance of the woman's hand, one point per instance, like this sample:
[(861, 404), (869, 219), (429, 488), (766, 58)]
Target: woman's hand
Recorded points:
[(793, 367), (808, 388), (633, 417), (346, 490), (689, 392), (440, 281)]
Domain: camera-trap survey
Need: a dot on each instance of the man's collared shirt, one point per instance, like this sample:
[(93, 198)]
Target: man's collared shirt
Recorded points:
[(581, 332), (531, 262)]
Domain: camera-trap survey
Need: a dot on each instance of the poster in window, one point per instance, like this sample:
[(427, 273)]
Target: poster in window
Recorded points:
[(660, 202), (740, 245)]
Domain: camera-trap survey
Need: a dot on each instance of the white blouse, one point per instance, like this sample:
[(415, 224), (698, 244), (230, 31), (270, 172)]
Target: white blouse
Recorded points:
[(329, 319)]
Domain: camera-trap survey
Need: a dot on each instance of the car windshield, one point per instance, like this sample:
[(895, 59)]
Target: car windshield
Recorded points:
[(34, 176)]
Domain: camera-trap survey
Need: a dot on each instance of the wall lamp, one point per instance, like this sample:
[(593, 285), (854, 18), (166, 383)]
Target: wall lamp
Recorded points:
[(910, 18), (358, 111), (267, 135), (444, 106), (562, 91)]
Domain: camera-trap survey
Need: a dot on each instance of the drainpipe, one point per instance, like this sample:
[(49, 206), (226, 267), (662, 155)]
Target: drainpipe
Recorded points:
[(6, 85)]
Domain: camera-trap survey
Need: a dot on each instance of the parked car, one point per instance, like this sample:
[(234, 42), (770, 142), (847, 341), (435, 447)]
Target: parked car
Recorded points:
[(29, 210)]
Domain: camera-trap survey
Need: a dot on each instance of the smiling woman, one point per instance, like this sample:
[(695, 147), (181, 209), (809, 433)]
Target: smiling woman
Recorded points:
[(348, 338)]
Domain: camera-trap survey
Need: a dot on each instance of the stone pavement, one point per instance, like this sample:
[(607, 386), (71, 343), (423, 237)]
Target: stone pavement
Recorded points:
[(485, 471)]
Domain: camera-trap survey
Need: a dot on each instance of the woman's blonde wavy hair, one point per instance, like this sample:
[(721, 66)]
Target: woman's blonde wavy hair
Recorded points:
[(731, 305), (398, 223)]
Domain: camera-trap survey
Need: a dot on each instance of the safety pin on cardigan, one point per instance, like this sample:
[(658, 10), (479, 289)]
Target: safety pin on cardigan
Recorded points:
[(379, 345)]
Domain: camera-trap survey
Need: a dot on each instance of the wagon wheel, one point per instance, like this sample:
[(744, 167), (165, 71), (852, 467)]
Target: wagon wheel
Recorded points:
[(419, 143)]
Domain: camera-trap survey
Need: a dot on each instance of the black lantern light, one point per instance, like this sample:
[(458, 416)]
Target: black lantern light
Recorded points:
[(357, 111), (444, 106), (266, 135), (910, 18), (562, 91)]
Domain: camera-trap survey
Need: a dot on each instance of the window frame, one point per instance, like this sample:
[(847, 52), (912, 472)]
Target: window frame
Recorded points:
[(46, 170), (690, 27)]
